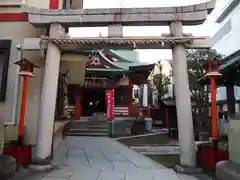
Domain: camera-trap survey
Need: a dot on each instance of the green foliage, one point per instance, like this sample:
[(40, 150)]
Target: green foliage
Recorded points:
[(161, 81), (196, 59)]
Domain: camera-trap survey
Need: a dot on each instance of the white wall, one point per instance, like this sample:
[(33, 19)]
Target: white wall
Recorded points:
[(38, 3), (227, 40), (17, 31), (222, 93), (228, 43), (76, 67)]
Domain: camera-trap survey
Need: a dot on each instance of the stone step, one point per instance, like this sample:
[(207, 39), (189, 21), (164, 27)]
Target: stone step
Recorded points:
[(104, 127), (89, 123), (88, 131), (89, 127), (87, 134)]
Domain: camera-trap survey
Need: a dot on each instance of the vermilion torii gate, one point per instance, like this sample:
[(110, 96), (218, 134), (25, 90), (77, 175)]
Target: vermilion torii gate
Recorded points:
[(57, 41)]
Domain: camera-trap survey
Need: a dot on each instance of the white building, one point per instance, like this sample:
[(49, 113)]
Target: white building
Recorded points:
[(226, 39)]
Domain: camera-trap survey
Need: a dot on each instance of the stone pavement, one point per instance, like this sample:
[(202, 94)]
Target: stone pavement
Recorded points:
[(101, 158)]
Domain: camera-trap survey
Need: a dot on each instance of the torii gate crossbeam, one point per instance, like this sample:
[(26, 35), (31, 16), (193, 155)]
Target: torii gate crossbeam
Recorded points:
[(158, 16)]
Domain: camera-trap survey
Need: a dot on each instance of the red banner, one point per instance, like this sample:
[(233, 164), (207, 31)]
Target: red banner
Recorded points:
[(110, 103)]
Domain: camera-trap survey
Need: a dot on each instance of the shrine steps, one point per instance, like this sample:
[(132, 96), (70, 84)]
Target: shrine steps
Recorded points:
[(88, 128)]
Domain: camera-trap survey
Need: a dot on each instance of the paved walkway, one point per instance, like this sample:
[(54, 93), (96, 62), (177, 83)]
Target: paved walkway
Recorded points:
[(101, 158)]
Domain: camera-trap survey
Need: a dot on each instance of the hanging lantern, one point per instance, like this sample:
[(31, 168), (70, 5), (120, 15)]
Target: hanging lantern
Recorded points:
[(104, 83), (101, 83), (85, 84), (97, 83), (89, 84)]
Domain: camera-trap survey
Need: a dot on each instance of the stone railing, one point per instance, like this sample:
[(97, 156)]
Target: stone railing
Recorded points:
[(58, 132)]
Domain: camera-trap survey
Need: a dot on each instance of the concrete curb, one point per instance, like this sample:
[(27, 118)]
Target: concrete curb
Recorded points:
[(141, 135), (43, 168), (187, 170)]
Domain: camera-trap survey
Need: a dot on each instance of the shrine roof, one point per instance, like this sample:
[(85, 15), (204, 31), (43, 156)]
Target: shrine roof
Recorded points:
[(115, 61), (126, 55)]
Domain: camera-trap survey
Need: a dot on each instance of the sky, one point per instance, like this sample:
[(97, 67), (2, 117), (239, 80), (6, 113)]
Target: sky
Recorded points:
[(209, 28)]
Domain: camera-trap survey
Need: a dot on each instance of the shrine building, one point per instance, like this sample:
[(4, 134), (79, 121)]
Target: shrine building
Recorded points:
[(105, 69)]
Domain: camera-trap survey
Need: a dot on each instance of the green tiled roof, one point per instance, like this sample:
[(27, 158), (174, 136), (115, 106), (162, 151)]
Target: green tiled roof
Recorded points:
[(129, 58), (127, 55)]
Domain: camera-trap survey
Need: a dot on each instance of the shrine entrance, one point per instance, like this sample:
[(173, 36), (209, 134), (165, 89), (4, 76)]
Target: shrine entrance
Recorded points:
[(56, 43), (93, 101)]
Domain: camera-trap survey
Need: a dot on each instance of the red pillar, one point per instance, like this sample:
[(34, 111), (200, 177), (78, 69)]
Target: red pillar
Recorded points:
[(23, 109), (78, 107), (110, 104), (214, 109), (214, 121), (53, 4)]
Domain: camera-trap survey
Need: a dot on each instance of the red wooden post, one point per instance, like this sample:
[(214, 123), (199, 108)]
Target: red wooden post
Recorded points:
[(23, 107), (212, 73), (26, 70), (214, 109)]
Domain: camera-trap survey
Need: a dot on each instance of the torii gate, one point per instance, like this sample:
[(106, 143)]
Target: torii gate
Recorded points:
[(115, 19)]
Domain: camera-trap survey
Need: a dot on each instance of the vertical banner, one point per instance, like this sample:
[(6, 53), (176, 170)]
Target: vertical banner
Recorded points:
[(109, 104), (113, 102)]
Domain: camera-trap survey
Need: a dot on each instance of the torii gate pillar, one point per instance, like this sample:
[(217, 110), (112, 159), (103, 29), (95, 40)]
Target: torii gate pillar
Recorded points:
[(48, 96), (183, 101)]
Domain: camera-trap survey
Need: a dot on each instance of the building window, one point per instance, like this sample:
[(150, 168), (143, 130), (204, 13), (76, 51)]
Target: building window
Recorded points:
[(5, 46)]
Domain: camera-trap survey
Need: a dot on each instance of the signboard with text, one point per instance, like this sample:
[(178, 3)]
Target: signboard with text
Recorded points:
[(110, 103)]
